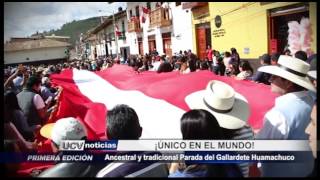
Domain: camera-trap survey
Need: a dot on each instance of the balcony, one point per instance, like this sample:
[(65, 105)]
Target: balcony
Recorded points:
[(134, 25), (160, 18), (190, 5)]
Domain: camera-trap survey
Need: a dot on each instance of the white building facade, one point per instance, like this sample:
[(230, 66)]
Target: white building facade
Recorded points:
[(167, 27), (105, 42)]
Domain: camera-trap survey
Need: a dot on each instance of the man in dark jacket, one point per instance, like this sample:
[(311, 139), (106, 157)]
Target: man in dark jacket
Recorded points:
[(262, 77), (32, 104)]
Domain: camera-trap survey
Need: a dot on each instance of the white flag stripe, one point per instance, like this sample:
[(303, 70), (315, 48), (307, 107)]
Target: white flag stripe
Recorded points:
[(148, 109)]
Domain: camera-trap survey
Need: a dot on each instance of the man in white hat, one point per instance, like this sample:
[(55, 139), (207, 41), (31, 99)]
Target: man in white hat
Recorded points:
[(313, 77), (290, 116)]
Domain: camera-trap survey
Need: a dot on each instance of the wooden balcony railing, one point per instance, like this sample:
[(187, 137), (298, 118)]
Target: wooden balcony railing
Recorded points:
[(134, 25), (160, 18)]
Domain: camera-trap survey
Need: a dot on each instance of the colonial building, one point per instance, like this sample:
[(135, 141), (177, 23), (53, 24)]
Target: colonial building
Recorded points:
[(163, 26), (108, 38), (34, 50), (253, 28)]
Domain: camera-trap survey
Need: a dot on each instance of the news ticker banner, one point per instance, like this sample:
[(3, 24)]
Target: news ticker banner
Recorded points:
[(193, 151), (154, 157), (187, 145)]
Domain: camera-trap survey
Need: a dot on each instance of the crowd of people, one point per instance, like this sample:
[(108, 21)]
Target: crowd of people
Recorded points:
[(30, 99)]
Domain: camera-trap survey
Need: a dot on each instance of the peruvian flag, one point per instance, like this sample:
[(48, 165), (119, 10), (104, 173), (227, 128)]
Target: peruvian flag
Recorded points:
[(118, 33), (143, 19), (145, 10), (158, 99)]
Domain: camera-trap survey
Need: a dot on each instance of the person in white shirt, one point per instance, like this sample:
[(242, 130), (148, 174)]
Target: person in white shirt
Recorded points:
[(156, 63), (289, 117), (227, 60)]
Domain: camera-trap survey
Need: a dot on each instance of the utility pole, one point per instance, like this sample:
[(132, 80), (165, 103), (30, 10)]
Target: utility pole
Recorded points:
[(115, 34)]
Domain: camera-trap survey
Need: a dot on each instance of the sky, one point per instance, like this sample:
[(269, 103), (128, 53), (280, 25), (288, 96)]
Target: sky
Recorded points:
[(21, 19)]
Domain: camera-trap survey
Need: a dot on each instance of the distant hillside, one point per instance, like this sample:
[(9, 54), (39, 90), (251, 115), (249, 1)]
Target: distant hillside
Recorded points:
[(74, 28)]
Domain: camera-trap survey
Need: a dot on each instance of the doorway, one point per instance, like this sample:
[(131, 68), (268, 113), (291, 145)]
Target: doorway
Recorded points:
[(152, 43), (166, 38), (140, 46), (125, 52), (203, 39), (278, 24), (107, 52)]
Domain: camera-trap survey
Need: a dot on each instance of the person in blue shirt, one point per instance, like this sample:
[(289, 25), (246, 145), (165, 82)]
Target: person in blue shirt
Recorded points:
[(289, 117)]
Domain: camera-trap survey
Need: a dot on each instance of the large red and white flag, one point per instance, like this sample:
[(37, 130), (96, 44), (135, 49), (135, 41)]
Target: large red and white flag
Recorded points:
[(158, 99)]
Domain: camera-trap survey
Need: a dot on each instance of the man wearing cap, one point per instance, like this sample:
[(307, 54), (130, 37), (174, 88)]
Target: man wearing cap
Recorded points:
[(262, 77), (66, 129), (32, 104), (290, 116)]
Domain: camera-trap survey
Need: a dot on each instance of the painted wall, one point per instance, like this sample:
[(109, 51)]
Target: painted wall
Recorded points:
[(34, 55), (132, 40), (123, 43), (199, 21), (313, 19), (182, 28)]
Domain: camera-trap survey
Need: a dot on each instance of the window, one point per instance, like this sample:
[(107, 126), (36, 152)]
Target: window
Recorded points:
[(149, 5), (130, 12), (123, 27), (178, 3), (137, 11)]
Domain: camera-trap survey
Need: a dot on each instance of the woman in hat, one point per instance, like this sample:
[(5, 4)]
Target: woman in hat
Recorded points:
[(289, 117)]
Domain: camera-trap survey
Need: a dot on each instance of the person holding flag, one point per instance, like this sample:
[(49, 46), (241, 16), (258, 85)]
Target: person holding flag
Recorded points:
[(290, 116)]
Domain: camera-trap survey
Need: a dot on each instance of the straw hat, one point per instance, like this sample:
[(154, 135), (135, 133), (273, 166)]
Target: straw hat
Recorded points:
[(313, 74), (292, 69), (229, 107)]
